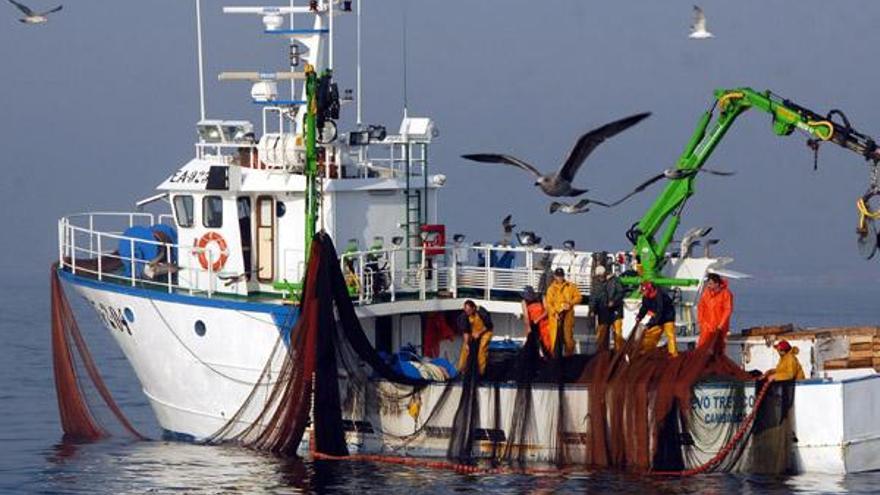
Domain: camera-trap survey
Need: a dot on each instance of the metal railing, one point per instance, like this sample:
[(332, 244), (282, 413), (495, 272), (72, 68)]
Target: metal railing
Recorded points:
[(87, 242), (487, 272)]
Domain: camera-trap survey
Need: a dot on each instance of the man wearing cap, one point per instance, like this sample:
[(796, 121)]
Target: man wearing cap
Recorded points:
[(658, 305), (713, 314), (606, 304), (561, 298), (536, 318), (788, 368)]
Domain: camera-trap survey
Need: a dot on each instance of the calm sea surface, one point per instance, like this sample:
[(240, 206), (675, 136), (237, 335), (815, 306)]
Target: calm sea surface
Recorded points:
[(33, 459)]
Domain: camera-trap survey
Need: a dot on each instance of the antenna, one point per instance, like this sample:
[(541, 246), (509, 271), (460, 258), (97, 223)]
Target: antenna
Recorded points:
[(405, 101), (201, 60), (292, 68), (358, 102)]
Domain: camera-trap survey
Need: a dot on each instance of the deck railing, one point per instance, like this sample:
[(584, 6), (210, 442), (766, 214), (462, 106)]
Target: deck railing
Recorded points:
[(88, 241), (485, 272)]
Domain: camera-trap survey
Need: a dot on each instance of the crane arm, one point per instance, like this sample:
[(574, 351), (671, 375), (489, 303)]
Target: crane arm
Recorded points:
[(653, 233)]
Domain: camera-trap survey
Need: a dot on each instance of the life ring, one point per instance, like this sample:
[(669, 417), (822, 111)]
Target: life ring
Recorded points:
[(203, 254)]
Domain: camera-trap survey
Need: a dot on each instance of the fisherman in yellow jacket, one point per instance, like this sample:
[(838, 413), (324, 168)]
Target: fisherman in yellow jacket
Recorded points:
[(561, 298), (476, 326), (788, 368)]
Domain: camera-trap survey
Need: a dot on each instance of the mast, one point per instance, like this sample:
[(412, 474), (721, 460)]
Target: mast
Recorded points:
[(201, 60)]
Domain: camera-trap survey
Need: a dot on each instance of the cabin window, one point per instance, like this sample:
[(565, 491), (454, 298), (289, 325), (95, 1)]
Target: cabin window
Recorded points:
[(212, 212), (183, 211)]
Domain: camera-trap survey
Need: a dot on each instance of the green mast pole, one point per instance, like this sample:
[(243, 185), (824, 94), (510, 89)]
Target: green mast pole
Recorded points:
[(311, 167)]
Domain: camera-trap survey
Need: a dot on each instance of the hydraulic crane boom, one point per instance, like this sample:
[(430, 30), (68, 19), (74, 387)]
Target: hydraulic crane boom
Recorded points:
[(650, 236)]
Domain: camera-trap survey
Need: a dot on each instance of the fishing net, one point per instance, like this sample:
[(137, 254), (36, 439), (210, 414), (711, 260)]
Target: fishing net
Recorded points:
[(79, 419), (638, 412), (627, 409)]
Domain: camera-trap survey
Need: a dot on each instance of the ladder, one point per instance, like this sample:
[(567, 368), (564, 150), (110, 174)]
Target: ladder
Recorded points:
[(416, 196)]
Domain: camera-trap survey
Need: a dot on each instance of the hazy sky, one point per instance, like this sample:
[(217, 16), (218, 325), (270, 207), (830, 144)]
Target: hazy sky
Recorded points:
[(98, 106)]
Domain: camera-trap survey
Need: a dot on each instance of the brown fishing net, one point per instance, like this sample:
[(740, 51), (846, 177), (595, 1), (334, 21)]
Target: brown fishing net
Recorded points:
[(69, 352)]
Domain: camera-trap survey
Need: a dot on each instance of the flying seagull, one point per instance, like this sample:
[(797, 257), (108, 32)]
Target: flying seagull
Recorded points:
[(559, 183), (507, 224), (31, 17), (698, 29), (579, 207), (669, 173)]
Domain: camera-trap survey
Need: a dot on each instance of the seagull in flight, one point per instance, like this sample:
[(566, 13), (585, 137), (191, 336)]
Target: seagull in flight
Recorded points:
[(559, 183), (31, 17), (579, 207), (698, 29), (670, 174)]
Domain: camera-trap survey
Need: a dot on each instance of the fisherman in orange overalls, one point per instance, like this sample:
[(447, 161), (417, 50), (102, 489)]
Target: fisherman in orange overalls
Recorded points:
[(713, 314), (536, 318)]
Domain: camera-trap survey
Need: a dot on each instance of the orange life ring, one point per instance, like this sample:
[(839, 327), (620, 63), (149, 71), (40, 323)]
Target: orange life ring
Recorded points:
[(203, 257)]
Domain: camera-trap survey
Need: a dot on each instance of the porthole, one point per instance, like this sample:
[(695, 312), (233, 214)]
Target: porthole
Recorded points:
[(129, 315), (200, 328), (280, 209)]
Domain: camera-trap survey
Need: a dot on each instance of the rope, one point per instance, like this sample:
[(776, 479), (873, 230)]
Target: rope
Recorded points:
[(201, 361), (438, 465), (724, 452)]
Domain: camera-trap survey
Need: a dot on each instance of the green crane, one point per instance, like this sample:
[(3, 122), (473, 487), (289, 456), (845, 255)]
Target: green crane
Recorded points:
[(311, 165), (653, 233)]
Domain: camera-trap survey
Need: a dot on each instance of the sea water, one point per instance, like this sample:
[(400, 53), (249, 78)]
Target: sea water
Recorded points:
[(33, 458)]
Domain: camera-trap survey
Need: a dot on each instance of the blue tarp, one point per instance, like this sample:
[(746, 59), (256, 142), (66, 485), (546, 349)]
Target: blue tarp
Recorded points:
[(144, 251)]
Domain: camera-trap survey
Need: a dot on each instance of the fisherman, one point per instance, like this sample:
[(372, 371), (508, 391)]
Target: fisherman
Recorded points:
[(658, 305), (713, 314), (533, 310), (561, 298), (606, 304), (476, 325), (788, 367)]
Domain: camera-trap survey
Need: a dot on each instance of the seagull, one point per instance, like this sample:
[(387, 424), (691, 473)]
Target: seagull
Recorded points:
[(579, 207), (31, 17), (692, 238), (528, 238), (698, 29), (508, 226), (559, 183), (669, 173), (506, 223)]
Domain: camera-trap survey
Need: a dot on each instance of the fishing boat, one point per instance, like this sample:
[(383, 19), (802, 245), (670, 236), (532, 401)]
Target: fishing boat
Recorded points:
[(199, 295)]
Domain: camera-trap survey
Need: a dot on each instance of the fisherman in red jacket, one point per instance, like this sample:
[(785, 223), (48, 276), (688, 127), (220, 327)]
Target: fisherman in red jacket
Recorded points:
[(713, 314)]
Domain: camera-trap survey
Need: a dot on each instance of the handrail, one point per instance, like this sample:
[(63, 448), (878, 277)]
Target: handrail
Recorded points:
[(385, 275), (73, 250)]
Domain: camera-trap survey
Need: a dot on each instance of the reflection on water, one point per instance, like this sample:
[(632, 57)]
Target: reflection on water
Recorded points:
[(33, 459), (166, 467)]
